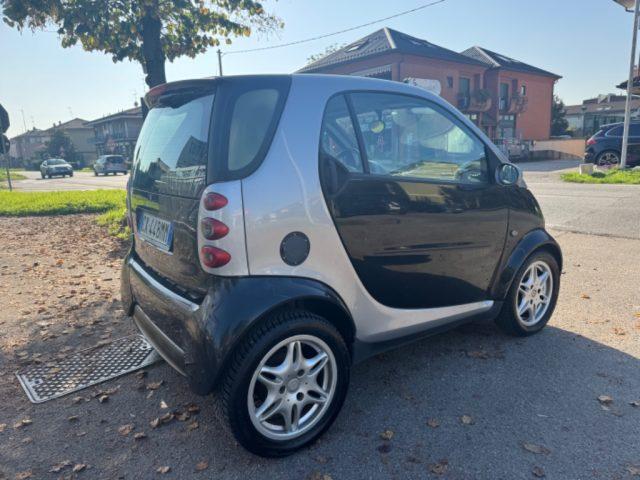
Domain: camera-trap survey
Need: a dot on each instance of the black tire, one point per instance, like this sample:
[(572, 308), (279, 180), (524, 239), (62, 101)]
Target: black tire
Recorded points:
[(508, 320), (246, 359), (607, 153), (71, 174)]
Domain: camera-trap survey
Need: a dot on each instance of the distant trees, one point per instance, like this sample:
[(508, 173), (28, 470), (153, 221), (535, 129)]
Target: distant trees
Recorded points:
[(559, 124), (327, 51), (145, 31), (60, 146)]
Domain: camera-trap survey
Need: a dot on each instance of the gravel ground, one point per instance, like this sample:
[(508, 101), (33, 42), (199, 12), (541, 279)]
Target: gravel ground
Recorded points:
[(468, 404)]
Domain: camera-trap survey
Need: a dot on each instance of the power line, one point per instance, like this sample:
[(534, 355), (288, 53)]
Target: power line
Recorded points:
[(319, 37)]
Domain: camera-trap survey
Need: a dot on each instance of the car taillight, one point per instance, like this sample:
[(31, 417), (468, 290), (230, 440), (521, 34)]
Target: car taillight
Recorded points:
[(213, 229), (214, 201), (213, 257), (591, 141)]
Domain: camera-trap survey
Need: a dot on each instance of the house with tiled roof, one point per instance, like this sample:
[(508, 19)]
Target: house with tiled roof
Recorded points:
[(506, 97)]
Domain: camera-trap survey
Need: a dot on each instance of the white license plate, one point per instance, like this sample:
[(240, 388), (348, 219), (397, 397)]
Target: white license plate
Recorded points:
[(155, 230)]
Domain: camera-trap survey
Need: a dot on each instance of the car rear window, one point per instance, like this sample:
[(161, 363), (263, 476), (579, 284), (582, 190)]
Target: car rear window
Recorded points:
[(171, 152), (115, 159)]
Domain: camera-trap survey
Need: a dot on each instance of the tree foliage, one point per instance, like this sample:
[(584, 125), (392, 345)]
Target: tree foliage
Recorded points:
[(60, 146), (145, 31), (559, 124), (327, 51)]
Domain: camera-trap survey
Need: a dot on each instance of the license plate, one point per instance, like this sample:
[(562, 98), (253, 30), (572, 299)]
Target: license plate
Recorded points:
[(155, 230)]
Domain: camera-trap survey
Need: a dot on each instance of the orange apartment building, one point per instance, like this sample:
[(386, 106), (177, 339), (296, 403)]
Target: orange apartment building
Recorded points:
[(507, 98)]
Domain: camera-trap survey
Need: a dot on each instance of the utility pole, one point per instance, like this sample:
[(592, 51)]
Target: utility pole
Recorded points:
[(627, 107), (219, 62)]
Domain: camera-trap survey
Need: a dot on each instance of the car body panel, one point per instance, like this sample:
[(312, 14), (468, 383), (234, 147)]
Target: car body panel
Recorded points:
[(609, 139)]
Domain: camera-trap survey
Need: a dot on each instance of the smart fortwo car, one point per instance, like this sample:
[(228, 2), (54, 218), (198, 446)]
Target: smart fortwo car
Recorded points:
[(285, 227)]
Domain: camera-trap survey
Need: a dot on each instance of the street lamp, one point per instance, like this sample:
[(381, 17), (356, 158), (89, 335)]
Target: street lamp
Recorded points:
[(630, 6)]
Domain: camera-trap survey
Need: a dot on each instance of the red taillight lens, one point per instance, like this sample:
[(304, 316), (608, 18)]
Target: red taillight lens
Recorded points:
[(215, 201), (213, 229), (213, 257), (591, 141)]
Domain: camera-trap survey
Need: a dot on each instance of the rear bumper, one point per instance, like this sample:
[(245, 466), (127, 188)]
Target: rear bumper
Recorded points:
[(170, 322)]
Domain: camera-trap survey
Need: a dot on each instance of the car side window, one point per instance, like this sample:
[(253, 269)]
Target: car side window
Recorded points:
[(409, 137), (338, 138)]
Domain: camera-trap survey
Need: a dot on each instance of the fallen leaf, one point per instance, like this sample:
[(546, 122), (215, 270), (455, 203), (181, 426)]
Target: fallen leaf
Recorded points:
[(154, 385), (27, 440), (192, 426), (538, 472), (182, 416), (73, 418), (24, 475), (433, 422), (59, 466), (139, 435), (155, 423), (605, 399), (76, 400), (163, 470), (585, 296), (103, 398), (635, 403), (193, 408), (439, 468), (478, 354), (319, 476), (537, 449), (634, 470), (203, 465), (78, 467), (386, 435), (163, 405), (22, 423), (467, 420), (2, 427), (125, 430)]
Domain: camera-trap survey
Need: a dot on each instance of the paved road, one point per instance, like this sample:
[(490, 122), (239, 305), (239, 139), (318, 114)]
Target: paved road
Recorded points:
[(79, 181), (611, 210)]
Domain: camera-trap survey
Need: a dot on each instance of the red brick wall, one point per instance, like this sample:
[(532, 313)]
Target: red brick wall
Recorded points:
[(535, 122)]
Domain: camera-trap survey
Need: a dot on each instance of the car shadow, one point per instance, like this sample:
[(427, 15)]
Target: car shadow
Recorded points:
[(541, 390)]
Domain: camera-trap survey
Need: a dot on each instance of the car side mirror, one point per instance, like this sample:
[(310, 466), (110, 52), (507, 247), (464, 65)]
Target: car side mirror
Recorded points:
[(508, 174)]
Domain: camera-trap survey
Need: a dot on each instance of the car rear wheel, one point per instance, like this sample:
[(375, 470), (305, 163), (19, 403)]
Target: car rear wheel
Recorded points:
[(532, 296), (608, 159), (286, 383)]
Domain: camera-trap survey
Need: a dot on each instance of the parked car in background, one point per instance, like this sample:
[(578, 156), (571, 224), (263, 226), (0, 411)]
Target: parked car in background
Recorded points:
[(266, 262), (604, 147), (55, 167), (107, 164)]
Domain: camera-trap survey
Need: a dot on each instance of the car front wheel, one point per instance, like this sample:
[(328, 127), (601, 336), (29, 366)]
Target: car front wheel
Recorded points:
[(532, 296), (286, 383)]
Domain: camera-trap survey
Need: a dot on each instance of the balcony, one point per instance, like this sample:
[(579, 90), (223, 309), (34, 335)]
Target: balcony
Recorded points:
[(478, 101), (514, 105)]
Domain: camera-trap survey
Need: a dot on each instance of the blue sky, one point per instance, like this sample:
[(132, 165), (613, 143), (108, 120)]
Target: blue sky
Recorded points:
[(587, 42)]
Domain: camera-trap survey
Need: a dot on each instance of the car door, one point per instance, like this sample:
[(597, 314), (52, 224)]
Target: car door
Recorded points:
[(413, 197), (634, 144)]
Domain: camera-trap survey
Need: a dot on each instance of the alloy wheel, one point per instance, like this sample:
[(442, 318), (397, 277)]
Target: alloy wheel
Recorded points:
[(534, 293), (608, 159), (292, 387)]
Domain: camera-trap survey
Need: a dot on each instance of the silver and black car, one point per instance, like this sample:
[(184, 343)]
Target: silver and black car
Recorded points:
[(287, 227), (55, 167), (107, 164)]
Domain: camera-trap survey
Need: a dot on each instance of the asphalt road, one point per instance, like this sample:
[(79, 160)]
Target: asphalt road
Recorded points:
[(79, 181), (609, 210)]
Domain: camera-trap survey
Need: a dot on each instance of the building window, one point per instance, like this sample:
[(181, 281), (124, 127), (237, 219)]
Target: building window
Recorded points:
[(450, 82), (464, 92), (504, 96), (523, 90)]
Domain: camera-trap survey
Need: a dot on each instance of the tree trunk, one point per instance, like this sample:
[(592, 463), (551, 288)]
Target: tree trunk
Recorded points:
[(152, 49)]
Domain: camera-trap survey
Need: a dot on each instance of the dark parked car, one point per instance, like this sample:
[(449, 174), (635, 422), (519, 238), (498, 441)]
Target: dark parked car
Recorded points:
[(288, 226), (55, 167), (604, 147), (107, 164)]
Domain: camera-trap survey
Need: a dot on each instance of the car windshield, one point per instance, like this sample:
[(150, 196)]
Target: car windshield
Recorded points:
[(56, 161)]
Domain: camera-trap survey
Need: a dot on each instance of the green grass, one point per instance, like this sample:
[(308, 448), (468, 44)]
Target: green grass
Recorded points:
[(20, 204), (116, 222), (612, 176)]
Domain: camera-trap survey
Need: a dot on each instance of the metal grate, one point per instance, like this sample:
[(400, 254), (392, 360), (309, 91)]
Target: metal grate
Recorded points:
[(88, 367)]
